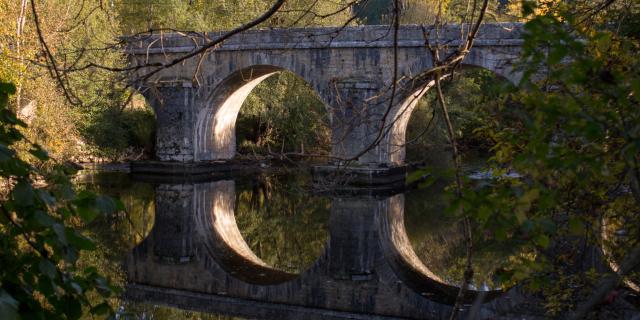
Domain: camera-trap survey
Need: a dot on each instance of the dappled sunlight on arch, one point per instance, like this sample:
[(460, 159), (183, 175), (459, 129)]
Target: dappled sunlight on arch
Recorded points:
[(283, 113), (285, 110)]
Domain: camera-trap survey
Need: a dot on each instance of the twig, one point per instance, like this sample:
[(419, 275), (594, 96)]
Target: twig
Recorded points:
[(53, 67), (468, 272), (631, 261), (266, 15)]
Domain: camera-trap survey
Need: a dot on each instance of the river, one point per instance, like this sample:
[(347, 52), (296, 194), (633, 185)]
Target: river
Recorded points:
[(270, 246)]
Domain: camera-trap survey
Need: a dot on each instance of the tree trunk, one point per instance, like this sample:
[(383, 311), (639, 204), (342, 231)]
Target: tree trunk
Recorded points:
[(19, 27)]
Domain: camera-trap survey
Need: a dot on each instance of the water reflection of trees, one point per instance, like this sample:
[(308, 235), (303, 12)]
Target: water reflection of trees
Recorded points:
[(124, 229), (117, 234), (438, 240), (283, 225)]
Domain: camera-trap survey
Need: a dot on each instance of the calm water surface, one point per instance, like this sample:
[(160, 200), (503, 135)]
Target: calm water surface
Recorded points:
[(267, 246)]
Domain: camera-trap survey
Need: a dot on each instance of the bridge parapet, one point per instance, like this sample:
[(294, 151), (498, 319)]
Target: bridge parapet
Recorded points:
[(498, 34)]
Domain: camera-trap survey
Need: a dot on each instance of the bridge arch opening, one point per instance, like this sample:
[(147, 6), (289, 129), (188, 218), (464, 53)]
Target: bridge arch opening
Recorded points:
[(217, 225), (418, 132), (263, 110)]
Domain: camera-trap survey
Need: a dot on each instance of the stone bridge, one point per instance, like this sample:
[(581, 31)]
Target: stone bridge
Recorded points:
[(196, 258), (351, 69)]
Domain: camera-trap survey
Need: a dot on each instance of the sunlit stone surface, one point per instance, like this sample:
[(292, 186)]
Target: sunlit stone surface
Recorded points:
[(351, 70)]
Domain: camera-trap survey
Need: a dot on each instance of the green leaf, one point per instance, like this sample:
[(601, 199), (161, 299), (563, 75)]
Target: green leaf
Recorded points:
[(23, 194), (10, 117), (70, 254), (521, 216), (7, 88), (47, 268), (8, 305), (557, 53), (60, 231), (45, 285), (429, 181), (500, 233), (103, 287), (76, 286), (576, 226), (43, 218), (542, 240), (635, 85), (39, 153), (5, 153), (101, 309), (106, 204), (483, 213), (87, 213), (417, 175), (528, 7), (73, 308), (79, 241), (119, 205), (90, 271), (46, 197)]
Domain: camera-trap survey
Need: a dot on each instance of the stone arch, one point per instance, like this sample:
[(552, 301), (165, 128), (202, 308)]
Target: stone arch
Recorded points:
[(403, 109), (500, 61), (399, 118), (215, 123)]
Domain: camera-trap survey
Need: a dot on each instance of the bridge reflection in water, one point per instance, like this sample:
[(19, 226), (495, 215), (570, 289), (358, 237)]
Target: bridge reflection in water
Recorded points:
[(196, 258)]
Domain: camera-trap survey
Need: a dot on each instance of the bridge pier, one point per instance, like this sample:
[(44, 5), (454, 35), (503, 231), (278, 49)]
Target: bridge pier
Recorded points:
[(369, 131), (172, 227), (175, 105)]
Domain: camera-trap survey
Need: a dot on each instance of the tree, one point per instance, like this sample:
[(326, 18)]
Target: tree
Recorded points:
[(571, 133), (39, 240)]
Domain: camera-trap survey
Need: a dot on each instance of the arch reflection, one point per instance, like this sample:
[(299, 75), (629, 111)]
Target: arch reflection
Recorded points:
[(618, 231), (200, 220), (198, 258), (412, 269), (216, 224)]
